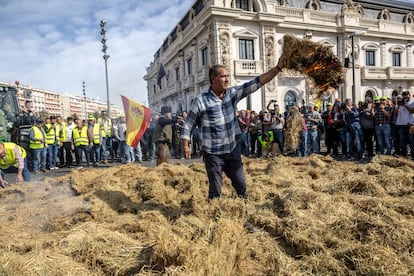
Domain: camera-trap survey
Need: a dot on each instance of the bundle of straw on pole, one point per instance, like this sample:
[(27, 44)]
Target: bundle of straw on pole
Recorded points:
[(315, 61)]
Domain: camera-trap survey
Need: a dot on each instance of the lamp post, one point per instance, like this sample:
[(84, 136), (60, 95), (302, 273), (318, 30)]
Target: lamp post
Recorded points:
[(105, 57), (359, 33), (84, 100)]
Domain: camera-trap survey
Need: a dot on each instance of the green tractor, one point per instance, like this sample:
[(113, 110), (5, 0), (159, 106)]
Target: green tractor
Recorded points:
[(9, 112)]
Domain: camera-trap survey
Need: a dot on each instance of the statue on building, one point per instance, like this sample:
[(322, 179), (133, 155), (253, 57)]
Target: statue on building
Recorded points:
[(211, 39), (225, 49), (348, 53), (269, 51), (349, 6)]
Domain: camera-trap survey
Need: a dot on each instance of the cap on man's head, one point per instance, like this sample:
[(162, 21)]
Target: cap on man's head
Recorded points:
[(384, 98), (376, 98), (405, 93), (39, 121), (52, 117), (91, 117), (329, 104)]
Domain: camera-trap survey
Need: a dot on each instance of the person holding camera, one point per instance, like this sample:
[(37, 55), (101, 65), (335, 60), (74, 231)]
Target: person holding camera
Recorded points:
[(353, 130), (277, 126), (244, 124), (313, 119), (163, 134), (404, 121), (366, 116), (382, 114)]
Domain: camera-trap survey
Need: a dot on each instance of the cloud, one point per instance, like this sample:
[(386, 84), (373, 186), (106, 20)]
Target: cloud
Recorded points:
[(56, 45)]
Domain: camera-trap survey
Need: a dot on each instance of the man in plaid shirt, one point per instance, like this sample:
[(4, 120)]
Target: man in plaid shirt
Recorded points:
[(215, 112)]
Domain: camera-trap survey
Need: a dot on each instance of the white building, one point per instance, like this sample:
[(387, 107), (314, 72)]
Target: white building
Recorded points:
[(246, 35)]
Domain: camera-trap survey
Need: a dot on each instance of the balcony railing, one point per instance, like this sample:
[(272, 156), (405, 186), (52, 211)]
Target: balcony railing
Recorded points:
[(383, 73), (248, 67), (202, 75), (172, 89), (188, 82), (399, 73), (374, 73)]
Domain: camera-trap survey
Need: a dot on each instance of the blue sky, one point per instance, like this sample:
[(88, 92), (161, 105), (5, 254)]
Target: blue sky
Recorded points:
[(56, 44)]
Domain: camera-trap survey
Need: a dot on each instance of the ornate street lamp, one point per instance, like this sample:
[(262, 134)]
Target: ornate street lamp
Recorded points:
[(84, 100), (105, 57), (354, 60)]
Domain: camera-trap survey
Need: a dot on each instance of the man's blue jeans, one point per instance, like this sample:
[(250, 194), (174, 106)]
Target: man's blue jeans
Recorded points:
[(405, 139), (313, 141), (39, 156), (232, 166), (244, 143), (95, 151), (353, 140), (383, 133), (107, 144), (52, 151)]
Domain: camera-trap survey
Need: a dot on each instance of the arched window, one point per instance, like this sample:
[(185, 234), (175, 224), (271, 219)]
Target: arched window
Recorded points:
[(290, 98), (369, 95), (246, 5)]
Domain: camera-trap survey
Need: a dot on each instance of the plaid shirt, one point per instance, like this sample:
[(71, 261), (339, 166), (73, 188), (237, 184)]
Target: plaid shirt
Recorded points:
[(219, 127), (380, 118)]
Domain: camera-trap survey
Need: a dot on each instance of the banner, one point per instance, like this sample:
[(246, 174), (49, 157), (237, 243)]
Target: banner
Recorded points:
[(161, 74), (137, 119)]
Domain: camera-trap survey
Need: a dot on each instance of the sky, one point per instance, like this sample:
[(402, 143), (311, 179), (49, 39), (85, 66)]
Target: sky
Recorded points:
[(55, 45)]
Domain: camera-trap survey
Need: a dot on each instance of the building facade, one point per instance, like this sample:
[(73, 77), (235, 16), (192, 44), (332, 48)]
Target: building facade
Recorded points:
[(46, 103), (373, 38)]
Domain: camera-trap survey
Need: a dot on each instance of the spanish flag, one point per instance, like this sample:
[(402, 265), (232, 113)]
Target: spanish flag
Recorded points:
[(137, 118)]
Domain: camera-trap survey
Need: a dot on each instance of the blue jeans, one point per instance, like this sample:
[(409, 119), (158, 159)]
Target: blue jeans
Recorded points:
[(85, 149), (353, 139), (39, 156), (278, 135), (405, 140), (302, 149), (313, 141), (125, 151), (95, 151), (383, 133), (12, 169), (107, 144), (232, 166), (52, 151), (244, 143)]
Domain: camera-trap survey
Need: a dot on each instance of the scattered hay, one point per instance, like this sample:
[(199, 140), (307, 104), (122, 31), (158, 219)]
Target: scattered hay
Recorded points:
[(313, 215)]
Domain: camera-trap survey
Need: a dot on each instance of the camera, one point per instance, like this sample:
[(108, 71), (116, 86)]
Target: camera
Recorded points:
[(272, 112), (402, 101)]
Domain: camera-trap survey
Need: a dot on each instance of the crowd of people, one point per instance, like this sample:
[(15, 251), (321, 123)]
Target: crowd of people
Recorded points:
[(349, 130)]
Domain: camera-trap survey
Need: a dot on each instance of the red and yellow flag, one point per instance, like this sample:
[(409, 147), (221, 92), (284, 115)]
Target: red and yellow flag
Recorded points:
[(137, 119)]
